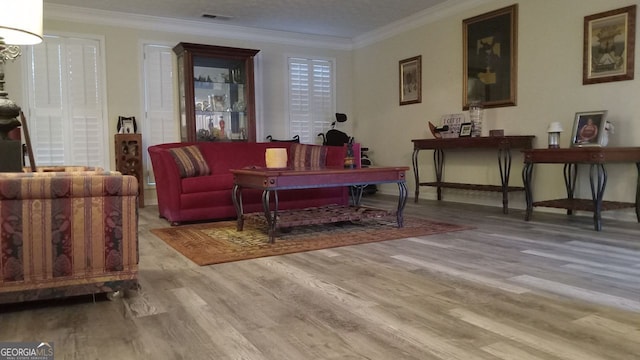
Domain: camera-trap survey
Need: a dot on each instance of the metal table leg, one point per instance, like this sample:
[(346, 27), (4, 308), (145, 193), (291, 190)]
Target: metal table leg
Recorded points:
[(504, 163), (271, 216), (638, 192), (570, 175), (527, 173), (598, 182), (402, 201), (236, 196), (416, 172), (438, 163), (355, 192)]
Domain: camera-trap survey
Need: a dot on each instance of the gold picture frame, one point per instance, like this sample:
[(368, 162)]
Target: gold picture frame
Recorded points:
[(410, 80), (490, 44), (609, 46)]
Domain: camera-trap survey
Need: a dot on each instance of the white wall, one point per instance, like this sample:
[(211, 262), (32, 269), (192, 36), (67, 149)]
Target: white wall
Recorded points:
[(550, 59), (549, 87), (123, 44)]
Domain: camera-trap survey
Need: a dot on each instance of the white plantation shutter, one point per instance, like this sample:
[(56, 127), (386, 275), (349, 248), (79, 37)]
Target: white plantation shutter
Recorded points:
[(66, 116), (311, 97), (159, 123)]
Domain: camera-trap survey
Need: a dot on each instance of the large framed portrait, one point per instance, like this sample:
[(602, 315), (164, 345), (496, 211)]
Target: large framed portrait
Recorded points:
[(609, 46), (588, 128), (490, 58), (411, 80)]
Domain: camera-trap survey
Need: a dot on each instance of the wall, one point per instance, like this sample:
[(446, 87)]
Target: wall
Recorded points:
[(549, 86), (124, 38), (550, 58)]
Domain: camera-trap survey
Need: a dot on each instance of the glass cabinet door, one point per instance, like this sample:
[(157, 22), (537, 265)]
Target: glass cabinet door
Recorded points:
[(216, 93)]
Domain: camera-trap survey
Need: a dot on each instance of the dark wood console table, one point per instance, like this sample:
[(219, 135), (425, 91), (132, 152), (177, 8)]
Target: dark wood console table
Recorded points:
[(503, 144), (596, 157)]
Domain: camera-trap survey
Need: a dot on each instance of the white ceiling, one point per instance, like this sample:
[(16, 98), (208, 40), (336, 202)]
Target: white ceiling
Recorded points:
[(339, 18)]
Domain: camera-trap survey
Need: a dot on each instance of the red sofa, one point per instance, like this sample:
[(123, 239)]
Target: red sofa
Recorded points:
[(208, 197)]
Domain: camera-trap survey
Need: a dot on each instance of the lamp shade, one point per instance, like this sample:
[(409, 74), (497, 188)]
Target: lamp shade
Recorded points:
[(276, 158), (554, 127), (21, 22)]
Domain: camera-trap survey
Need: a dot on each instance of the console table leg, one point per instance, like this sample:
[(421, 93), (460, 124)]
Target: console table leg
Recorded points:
[(402, 201), (527, 172), (570, 172), (236, 196), (438, 163), (504, 164), (599, 174), (638, 192), (416, 172)]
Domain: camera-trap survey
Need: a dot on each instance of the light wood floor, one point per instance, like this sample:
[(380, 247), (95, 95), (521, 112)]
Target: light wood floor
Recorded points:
[(551, 288)]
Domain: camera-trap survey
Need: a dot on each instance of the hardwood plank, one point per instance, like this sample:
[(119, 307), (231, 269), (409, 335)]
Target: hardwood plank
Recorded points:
[(507, 289)]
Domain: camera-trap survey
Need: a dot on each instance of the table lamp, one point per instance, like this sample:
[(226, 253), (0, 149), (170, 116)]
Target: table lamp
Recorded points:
[(20, 24), (276, 158), (554, 131)]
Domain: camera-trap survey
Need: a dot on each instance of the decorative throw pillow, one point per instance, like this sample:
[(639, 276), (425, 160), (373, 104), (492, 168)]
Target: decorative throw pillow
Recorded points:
[(190, 161), (311, 156)]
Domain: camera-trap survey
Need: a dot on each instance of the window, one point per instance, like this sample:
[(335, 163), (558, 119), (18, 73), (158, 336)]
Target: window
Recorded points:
[(66, 115), (159, 122), (311, 97)]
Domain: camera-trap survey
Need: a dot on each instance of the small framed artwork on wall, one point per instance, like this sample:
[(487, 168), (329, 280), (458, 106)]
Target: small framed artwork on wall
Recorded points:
[(609, 46), (411, 80)]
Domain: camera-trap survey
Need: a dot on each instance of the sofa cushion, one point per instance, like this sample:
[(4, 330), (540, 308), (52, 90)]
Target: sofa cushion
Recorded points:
[(190, 161), (303, 155), (203, 184)]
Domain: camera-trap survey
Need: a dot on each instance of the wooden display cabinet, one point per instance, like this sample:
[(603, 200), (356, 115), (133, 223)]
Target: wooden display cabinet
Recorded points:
[(129, 159), (216, 93)]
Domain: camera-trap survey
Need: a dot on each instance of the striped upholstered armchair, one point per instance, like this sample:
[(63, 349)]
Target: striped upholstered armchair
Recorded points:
[(67, 233)]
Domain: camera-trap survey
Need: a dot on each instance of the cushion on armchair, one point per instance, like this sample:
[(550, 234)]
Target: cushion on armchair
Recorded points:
[(313, 156), (190, 161)]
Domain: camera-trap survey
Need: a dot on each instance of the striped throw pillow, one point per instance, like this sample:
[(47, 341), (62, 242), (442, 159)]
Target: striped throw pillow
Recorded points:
[(308, 156), (190, 161)]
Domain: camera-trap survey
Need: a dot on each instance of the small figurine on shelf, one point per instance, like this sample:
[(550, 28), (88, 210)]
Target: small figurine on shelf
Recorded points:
[(349, 161), (223, 133), (435, 130)]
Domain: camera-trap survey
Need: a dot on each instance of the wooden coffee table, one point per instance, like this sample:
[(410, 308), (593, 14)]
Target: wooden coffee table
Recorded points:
[(273, 180)]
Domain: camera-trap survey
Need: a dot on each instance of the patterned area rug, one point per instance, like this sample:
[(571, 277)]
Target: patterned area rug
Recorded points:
[(219, 242)]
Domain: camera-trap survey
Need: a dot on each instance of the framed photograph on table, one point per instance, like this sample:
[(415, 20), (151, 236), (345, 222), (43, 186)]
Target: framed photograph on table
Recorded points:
[(411, 80), (127, 125), (588, 128), (465, 129), (609, 46), (490, 58)]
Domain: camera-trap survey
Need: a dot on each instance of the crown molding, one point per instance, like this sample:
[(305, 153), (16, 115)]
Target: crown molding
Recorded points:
[(190, 27), (202, 28), (430, 15)]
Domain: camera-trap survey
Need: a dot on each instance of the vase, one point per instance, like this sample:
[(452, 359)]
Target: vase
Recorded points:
[(475, 116)]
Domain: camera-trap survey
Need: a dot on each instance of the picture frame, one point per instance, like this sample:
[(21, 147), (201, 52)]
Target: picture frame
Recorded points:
[(609, 46), (127, 125), (465, 129), (588, 128), (410, 80), (490, 44)]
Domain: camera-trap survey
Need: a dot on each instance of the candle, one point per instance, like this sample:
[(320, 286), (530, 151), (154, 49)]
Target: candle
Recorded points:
[(276, 157)]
